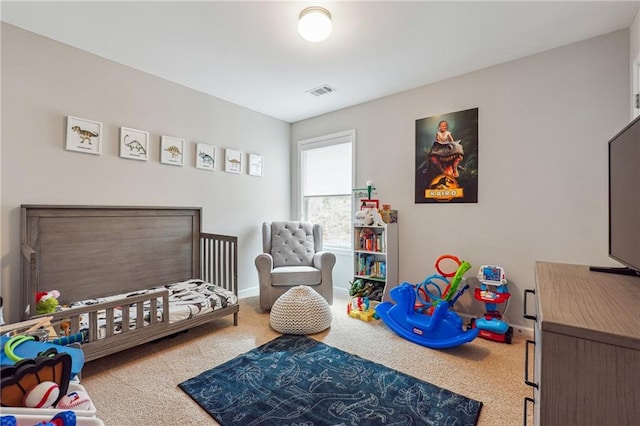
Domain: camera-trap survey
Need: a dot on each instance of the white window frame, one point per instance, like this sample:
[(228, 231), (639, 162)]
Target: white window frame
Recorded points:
[(321, 142)]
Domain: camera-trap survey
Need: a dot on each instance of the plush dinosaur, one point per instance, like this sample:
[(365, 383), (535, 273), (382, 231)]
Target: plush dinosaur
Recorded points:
[(369, 217)]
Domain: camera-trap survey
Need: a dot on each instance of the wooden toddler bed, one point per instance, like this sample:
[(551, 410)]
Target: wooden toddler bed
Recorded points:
[(92, 253)]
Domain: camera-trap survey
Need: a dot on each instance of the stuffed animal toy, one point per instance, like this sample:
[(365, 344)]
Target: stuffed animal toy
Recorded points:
[(47, 302), (368, 217)]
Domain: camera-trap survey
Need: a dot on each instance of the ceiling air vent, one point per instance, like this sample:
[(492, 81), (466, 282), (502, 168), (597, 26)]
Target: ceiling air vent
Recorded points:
[(321, 90)]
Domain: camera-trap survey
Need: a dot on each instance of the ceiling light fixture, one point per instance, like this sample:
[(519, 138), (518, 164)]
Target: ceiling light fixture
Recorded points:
[(315, 24)]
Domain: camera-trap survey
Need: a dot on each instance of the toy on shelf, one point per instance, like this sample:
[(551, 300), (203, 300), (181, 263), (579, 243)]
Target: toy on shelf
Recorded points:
[(370, 289), (493, 291), (368, 217), (437, 328)]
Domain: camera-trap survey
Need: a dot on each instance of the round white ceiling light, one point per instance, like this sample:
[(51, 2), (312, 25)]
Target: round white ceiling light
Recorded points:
[(315, 24)]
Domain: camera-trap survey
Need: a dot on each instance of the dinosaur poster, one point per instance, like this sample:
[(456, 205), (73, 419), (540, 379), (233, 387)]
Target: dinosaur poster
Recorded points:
[(447, 158)]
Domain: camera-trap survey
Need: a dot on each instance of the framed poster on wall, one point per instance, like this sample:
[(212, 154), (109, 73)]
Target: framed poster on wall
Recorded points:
[(84, 135), (446, 168)]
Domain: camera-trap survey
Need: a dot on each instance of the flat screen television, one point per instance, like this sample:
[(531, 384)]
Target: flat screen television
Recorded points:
[(624, 199)]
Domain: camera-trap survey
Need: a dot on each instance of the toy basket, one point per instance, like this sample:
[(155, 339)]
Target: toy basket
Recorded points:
[(50, 412)]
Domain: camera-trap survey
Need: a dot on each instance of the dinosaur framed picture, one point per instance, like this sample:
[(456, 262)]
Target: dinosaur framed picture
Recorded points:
[(232, 161), (205, 156), (84, 135), (134, 144), (446, 168), (256, 162), (172, 150)]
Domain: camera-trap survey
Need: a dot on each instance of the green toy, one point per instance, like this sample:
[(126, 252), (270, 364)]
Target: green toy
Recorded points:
[(47, 302)]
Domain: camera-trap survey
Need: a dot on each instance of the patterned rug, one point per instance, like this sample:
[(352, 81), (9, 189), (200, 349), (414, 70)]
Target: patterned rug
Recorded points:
[(295, 380)]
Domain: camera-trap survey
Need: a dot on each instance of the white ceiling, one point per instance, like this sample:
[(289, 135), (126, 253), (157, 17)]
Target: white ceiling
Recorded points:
[(249, 53)]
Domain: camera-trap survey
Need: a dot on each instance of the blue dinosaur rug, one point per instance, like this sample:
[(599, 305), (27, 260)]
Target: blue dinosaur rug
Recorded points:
[(295, 380)]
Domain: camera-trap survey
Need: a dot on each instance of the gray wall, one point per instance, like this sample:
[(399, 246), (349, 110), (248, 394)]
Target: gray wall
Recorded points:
[(544, 123), (634, 38), (43, 81), (634, 60)]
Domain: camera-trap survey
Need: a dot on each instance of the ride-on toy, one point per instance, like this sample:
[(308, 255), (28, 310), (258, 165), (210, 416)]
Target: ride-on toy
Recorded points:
[(442, 328), (492, 325)]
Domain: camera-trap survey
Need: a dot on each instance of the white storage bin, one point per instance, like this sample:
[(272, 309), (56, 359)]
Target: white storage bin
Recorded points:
[(50, 412), (32, 420)]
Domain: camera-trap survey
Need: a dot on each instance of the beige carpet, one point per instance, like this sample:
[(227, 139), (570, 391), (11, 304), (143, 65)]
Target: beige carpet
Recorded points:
[(139, 386)]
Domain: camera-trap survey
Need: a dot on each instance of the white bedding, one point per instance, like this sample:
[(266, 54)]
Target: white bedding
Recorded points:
[(186, 300)]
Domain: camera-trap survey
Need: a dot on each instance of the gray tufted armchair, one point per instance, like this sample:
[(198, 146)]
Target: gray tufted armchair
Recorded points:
[(293, 256)]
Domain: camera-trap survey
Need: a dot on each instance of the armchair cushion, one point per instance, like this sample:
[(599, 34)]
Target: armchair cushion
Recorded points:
[(295, 275)]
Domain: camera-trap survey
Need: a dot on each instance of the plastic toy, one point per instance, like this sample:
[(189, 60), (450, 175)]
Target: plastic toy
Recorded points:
[(63, 418), (359, 308), (79, 337), (426, 297), (441, 329), (492, 291), (361, 288), (23, 347)]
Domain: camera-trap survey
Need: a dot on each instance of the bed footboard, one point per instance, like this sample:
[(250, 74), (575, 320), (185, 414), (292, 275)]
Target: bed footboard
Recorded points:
[(105, 333)]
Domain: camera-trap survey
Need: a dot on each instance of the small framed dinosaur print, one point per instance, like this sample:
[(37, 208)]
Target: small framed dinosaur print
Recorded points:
[(232, 161), (205, 156), (134, 144), (84, 135), (172, 150), (255, 164)]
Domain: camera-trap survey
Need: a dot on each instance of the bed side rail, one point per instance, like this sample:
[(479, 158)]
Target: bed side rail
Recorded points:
[(219, 260), (28, 279), (67, 322)]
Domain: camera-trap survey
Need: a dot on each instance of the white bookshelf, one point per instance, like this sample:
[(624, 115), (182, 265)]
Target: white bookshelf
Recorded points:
[(375, 256)]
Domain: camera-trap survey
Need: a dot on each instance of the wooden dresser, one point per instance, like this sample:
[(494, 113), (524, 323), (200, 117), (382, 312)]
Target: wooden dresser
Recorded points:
[(584, 366)]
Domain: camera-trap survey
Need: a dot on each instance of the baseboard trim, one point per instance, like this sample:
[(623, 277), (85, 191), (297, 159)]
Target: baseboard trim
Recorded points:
[(343, 293), (255, 291), (249, 292)]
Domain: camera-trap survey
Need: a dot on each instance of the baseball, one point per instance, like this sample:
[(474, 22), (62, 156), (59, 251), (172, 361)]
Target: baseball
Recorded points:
[(42, 395), (76, 400)]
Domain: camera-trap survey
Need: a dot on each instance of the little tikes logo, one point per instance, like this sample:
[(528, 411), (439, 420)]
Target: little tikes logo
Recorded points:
[(444, 188)]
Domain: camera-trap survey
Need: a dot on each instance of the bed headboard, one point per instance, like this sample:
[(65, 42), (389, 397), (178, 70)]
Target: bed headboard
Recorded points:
[(86, 252)]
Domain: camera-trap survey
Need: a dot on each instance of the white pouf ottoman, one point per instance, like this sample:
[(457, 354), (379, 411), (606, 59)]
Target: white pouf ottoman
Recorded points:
[(301, 310)]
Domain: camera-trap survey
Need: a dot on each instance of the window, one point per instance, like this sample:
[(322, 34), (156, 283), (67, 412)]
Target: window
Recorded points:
[(326, 179)]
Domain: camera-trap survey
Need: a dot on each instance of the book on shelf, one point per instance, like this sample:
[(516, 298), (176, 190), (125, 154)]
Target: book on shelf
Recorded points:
[(371, 267), (372, 242)]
